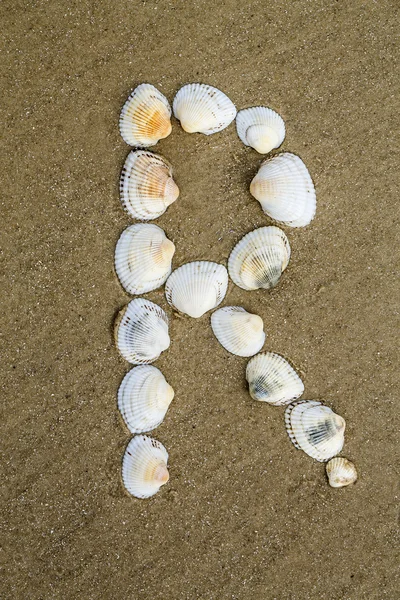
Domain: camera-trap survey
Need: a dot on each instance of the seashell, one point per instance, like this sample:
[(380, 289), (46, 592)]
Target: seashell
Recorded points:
[(143, 398), (261, 128), (144, 466), (341, 472), (259, 258), (196, 287), (238, 331), (315, 429), (285, 190), (271, 379), (146, 185), (203, 109), (141, 331), (143, 258), (145, 117)]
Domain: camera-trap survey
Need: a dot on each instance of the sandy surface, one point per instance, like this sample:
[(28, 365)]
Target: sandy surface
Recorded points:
[(245, 516)]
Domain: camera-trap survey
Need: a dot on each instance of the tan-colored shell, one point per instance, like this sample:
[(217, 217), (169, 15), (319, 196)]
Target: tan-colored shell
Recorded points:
[(340, 472)]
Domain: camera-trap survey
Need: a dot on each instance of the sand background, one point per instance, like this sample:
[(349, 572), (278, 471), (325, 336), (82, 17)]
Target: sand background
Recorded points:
[(245, 515)]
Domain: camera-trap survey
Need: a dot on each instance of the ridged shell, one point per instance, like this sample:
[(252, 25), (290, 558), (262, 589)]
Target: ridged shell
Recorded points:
[(261, 128), (143, 398), (259, 258), (340, 472), (145, 117), (146, 185), (143, 258), (315, 429), (196, 287), (144, 466), (203, 109), (141, 332), (238, 331), (271, 379), (285, 190)]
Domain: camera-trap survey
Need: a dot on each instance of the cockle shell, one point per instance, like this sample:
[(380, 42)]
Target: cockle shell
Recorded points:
[(341, 472), (259, 258), (144, 466), (315, 429), (143, 258), (261, 128), (143, 398), (202, 108), (146, 185), (196, 287), (285, 190), (271, 379), (141, 331), (238, 331), (145, 117)]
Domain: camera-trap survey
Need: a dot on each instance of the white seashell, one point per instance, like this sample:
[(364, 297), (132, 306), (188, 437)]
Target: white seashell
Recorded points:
[(341, 472), (315, 429), (259, 258), (141, 331), (143, 398), (145, 117), (144, 466), (196, 287), (238, 331), (143, 258), (146, 185), (271, 379), (261, 128), (285, 190), (203, 109)]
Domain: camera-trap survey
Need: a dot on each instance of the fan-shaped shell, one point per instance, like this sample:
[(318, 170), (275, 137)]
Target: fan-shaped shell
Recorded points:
[(315, 429), (144, 466), (196, 287), (261, 128), (341, 472), (259, 258), (285, 190), (141, 331), (271, 379), (203, 109), (238, 331), (145, 117)]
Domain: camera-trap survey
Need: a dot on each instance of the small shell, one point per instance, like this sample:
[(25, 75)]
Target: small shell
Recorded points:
[(141, 331), (315, 429), (259, 258), (238, 331), (144, 466), (145, 117), (196, 287), (271, 379), (285, 190), (143, 258), (261, 128), (341, 472), (146, 185), (203, 109)]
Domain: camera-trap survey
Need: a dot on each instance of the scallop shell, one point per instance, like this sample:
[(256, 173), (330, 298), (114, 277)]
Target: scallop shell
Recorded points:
[(238, 331), (261, 128), (143, 398), (145, 117), (146, 185), (196, 287), (341, 472), (271, 379), (203, 109), (141, 332), (144, 466), (143, 258), (315, 429), (259, 258), (285, 190)]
